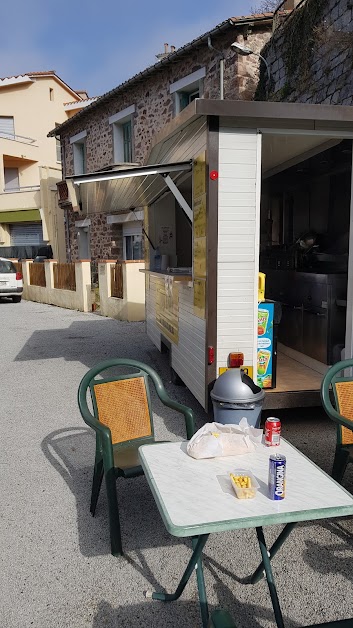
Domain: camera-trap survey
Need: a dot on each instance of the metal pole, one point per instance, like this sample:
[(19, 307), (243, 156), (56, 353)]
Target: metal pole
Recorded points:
[(221, 79)]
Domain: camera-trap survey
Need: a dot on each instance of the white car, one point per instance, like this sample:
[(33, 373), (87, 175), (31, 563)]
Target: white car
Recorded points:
[(11, 283)]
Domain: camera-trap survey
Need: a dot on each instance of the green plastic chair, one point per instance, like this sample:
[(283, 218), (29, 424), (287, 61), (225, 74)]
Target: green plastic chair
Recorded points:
[(342, 414), (221, 619), (122, 419)]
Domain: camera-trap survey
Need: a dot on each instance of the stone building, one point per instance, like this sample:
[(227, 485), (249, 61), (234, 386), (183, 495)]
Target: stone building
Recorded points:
[(118, 127), (310, 55)]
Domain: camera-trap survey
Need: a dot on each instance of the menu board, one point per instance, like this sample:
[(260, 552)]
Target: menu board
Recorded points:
[(200, 216), (265, 345), (199, 235), (199, 297), (167, 308)]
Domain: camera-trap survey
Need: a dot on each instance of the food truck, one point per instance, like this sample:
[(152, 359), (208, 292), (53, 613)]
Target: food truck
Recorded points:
[(232, 189)]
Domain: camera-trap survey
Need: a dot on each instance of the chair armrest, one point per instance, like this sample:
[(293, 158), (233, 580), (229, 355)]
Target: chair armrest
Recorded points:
[(325, 393), (179, 407), (88, 417), (164, 397), (336, 417)]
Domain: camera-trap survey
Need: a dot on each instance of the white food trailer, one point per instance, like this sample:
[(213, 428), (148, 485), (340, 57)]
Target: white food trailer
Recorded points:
[(232, 188)]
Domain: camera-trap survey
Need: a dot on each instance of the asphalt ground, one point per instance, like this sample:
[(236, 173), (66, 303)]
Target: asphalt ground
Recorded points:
[(55, 564)]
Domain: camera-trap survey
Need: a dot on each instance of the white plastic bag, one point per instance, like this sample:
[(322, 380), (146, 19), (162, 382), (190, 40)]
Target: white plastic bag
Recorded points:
[(216, 439)]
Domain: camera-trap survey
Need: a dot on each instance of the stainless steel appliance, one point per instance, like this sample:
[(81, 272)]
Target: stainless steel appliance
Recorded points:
[(313, 311)]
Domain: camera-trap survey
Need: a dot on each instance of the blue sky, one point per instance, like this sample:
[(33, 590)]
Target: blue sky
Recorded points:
[(97, 45)]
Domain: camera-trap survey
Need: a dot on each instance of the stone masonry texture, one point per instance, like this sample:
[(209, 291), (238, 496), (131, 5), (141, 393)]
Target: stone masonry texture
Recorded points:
[(154, 109), (310, 55)]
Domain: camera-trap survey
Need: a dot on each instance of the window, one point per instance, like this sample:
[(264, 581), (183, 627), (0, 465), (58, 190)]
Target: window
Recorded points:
[(23, 234), (187, 89), (58, 150), (133, 247), (6, 266), (7, 127), (12, 182), (51, 93), (123, 135), (133, 243), (79, 151), (127, 128)]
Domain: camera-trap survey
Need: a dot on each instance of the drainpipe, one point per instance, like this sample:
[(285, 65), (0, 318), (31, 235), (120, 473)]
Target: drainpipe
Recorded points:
[(221, 68)]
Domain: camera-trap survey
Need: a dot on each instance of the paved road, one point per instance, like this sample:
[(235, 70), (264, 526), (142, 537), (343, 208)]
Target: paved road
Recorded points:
[(55, 566)]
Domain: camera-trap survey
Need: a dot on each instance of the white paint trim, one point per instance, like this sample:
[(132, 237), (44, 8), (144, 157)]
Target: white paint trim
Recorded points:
[(78, 137), (80, 104), (86, 222), (348, 350), (15, 80), (187, 80), (258, 182), (315, 133), (122, 218), (125, 113), (44, 225)]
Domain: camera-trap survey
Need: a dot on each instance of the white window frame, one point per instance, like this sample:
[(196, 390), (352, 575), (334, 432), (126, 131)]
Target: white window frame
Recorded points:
[(78, 143), (189, 84), (117, 122), (8, 134), (130, 230)]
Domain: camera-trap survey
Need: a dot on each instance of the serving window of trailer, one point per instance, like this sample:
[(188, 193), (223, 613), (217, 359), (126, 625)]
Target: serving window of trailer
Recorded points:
[(170, 231)]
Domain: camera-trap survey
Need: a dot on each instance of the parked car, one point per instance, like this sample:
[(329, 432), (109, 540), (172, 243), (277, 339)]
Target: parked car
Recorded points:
[(11, 283)]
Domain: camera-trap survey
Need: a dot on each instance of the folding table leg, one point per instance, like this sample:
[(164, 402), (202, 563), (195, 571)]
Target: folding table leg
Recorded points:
[(269, 577), (258, 574), (195, 560), (201, 587)]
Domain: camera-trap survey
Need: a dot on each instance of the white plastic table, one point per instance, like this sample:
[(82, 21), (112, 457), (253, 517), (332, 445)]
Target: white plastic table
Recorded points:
[(195, 498)]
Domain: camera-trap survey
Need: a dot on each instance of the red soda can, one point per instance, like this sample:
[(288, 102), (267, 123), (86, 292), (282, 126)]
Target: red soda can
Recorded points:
[(272, 432)]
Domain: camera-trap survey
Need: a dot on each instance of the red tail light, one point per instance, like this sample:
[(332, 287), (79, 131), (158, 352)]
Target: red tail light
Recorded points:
[(210, 355), (18, 276), (236, 360)]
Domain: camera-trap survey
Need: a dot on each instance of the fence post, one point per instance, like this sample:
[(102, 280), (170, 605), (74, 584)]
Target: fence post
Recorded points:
[(49, 272), (134, 290), (26, 280), (83, 285), (104, 274)]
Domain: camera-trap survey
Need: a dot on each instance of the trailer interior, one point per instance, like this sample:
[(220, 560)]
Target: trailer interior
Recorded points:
[(304, 250)]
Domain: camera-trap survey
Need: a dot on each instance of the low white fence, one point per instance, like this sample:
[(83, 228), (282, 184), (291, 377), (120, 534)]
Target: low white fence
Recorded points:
[(39, 284), (121, 286)]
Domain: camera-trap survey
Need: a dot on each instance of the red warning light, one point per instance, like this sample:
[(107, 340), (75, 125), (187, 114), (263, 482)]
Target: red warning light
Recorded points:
[(213, 175)]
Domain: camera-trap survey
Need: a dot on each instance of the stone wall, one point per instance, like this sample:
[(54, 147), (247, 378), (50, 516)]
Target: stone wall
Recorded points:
[(154, 104), (154, 109), (310, 56), (107, 240)]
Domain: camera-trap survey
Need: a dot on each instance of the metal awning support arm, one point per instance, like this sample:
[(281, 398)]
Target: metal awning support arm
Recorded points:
[(178, 196)]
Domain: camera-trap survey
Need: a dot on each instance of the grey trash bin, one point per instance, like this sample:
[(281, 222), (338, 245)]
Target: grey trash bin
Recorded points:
[(235, 396)]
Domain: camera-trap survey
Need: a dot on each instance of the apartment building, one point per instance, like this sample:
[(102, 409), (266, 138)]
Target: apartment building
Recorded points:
[(117, 129), (30, 162)]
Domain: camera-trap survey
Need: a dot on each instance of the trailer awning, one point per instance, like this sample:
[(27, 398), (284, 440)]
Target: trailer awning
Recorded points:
[(123, 189)]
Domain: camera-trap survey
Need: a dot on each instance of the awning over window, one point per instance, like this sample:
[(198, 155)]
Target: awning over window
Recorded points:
[(116, 190), (22, 215)]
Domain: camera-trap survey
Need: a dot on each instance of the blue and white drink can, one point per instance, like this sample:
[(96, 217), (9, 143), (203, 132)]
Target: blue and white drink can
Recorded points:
[(277, 477)]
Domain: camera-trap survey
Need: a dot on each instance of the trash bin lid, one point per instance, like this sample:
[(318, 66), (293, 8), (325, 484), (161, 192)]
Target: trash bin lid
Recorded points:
[(234, 386)]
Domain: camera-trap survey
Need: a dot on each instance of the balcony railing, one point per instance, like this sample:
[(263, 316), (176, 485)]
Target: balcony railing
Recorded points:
[(17, 138), (23, 188)]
